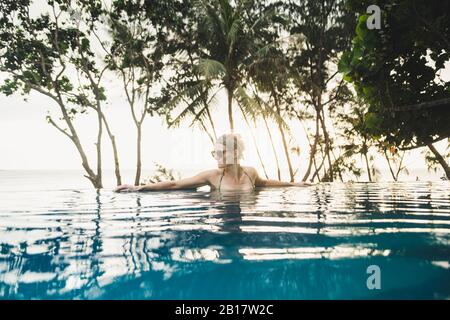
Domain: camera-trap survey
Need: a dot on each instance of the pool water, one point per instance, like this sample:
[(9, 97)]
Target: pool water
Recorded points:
[(288, 243)]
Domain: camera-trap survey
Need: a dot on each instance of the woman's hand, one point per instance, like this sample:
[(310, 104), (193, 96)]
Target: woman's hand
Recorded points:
[(126, 188)]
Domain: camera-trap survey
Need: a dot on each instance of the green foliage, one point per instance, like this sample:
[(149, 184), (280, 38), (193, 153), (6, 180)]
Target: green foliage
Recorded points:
[(218, 44), (398, 66), (162, 174), (325, 28), (320, 32), (431, 160), (227, 34), (210, 69), (149, 39), (39, 50)]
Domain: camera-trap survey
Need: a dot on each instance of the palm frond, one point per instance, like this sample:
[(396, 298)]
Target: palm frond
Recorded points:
[(255, 107), (202, 114), (233, 33), (191, 91), (210, 69), (190, 109), (248, 104)]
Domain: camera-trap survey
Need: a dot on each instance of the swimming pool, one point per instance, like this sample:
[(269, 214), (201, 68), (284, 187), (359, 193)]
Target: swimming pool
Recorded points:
[(292, 243)]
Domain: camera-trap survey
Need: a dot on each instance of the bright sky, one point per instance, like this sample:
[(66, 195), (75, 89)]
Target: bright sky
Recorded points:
[(27, 141)]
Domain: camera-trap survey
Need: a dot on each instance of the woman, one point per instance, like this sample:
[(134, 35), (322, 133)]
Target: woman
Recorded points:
[(230, 175)]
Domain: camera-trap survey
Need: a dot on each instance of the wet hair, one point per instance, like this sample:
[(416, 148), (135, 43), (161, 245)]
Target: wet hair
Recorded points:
[(232, 143)]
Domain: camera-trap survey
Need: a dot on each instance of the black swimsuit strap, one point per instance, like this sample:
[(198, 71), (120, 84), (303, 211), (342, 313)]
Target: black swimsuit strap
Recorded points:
[(223, 173), (250, 179)]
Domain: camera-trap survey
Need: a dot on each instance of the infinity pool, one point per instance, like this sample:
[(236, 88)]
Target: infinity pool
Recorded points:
[(293, 243)]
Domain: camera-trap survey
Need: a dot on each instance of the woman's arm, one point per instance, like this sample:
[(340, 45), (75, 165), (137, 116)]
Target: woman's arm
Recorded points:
[(260, 182), (276, 183), (199, 180)]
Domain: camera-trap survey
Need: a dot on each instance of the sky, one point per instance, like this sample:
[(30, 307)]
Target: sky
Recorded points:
[(28, 142)]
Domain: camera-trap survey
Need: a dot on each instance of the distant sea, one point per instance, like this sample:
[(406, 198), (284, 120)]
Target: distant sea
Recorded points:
[(73, 179)]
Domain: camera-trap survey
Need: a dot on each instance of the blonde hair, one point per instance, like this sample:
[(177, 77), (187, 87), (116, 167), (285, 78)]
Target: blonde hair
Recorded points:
[(232, 142)]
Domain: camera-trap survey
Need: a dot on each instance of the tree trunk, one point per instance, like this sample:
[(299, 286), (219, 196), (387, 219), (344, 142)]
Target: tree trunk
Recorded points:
[(389, 164), (212, 124), (230, 108), (273, 148), (270, 135), (312, 153), (96, 182), (318, 168), (116, 160), (114, 147), (73, 136), (99, 143), (285, 146), (369, 175), (255, 143), (327, 147), (399, 169), (137, 178), (440, 159), (286, 152), (338, 169), (115, 152)]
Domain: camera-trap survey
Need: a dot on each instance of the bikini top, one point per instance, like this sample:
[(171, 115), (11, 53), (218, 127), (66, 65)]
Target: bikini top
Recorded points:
[(223, 173)]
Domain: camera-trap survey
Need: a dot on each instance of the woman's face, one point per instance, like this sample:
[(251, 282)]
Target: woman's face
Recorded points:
[(220, 154), (223, 157)]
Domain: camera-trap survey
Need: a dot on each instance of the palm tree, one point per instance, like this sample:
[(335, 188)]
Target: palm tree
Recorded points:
[(197, 98), (257, 107), (188, 93), (215, 49), (228, 43), (271, 75), (223, 46)]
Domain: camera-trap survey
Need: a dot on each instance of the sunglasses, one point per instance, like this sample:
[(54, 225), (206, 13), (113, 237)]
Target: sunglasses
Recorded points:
[(219, 153)]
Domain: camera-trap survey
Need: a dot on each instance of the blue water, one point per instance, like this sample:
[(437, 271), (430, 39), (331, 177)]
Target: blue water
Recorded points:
[(290, 243)]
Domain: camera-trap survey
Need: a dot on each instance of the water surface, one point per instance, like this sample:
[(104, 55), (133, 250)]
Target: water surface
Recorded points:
[(289, 243)]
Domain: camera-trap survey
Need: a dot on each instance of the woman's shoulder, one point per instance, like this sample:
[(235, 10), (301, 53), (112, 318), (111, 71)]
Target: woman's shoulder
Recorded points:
[(211, 173), (250, 170)]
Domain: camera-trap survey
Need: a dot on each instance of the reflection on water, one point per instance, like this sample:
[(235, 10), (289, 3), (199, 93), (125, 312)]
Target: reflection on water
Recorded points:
[(293, 243)]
